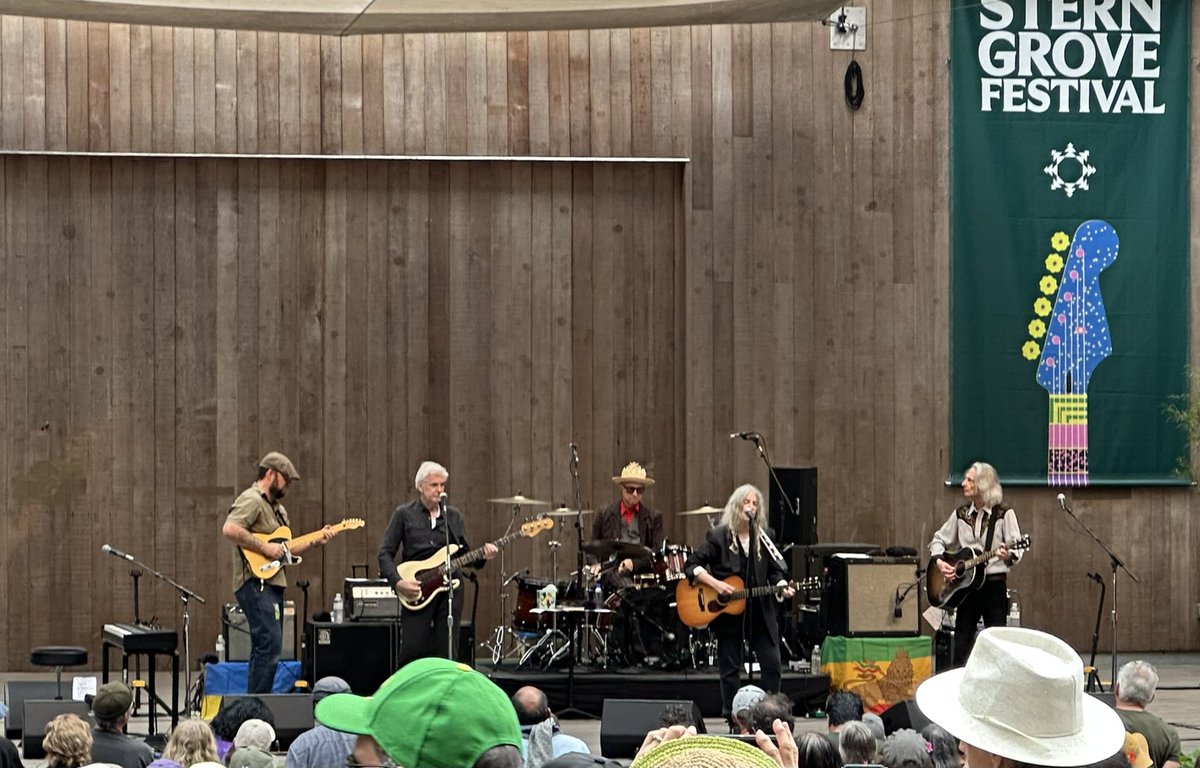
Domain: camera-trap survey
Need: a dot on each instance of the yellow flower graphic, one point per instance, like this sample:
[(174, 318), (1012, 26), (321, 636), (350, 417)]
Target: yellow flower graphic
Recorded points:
[(1054, 263), (1060, 241), (1037, 329), (1031, 350), (1048, 285), (1042, 306)]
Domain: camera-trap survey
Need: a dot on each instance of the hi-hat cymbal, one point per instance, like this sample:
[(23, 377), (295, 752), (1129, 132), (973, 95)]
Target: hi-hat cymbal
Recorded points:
[(621, 550), (564, 512), (705, 510), (520, 501)]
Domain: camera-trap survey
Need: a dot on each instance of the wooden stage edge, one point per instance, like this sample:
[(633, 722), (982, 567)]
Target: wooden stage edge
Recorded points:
[(591, 687)]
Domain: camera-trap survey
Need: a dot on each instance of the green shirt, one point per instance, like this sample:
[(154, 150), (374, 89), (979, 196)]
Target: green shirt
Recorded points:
[(256, 513), (1161, 738)]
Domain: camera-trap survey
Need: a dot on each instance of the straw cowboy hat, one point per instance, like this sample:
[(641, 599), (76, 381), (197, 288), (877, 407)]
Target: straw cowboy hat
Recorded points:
[(633, 474), (1021, 696)]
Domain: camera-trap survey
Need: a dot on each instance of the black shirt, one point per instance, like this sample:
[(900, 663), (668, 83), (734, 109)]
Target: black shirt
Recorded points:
[(410, 537)]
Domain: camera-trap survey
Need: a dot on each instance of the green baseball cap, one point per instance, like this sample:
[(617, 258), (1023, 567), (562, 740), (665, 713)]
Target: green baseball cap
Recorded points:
[(432, 713)]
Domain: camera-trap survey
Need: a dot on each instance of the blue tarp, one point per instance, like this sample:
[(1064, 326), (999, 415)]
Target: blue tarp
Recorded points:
[(230, 677)]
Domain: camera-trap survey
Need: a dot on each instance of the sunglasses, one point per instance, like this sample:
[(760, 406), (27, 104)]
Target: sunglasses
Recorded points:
[(634, 489)]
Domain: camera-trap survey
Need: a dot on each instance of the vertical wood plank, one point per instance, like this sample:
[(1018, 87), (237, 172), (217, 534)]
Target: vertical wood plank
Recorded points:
[(12, 86), (184, 86), (352, 95), (162, 90), (246, 103), (268, 92), (34, 85), (56, 84)]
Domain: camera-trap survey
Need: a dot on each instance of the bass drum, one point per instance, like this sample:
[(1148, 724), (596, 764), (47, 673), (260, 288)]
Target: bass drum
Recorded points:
[(523, 617)]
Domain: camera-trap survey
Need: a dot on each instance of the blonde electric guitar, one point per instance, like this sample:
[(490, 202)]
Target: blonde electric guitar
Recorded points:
[(262, 568), (431, 571)]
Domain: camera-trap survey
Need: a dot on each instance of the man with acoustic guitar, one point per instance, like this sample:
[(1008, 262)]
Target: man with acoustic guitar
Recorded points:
[(740, 547), (257, 510), (982, 525), (418, 528)]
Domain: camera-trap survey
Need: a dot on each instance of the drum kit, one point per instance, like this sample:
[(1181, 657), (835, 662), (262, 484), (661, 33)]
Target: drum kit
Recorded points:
[(606, 618)]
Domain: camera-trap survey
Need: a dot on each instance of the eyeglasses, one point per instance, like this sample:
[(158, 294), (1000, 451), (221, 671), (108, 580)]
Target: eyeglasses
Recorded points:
[(634, 489)]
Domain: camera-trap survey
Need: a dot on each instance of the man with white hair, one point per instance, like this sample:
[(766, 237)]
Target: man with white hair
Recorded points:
[(417, 531), (1136, 684)]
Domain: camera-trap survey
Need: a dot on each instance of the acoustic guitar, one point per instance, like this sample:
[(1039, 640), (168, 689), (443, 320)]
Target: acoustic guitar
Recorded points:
[(969, 564), (698, 605), (431, 571), (262, 568)]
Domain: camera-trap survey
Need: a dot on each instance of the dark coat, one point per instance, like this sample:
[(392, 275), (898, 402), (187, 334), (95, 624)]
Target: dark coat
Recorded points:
[(721, 562)]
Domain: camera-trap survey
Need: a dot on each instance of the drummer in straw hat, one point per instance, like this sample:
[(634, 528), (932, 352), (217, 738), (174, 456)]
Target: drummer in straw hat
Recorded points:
[(630, 519)]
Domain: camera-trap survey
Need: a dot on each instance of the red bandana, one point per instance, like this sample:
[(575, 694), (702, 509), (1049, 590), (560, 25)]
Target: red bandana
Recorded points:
[(629, 512)]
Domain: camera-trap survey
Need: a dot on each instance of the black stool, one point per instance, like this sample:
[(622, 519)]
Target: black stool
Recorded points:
[(58, 656)]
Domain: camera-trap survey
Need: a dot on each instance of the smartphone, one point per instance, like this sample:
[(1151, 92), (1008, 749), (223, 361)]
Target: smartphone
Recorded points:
[(746, 737)]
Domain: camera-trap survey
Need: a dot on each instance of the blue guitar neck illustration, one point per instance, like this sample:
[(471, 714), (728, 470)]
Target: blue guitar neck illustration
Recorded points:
[(1077, 340)]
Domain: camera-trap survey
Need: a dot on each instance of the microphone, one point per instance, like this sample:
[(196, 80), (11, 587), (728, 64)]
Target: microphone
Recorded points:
[(744, 436), (117, 552), (1062, 502), (897, 610), (575, 454), (442, 502), (1095, 577)]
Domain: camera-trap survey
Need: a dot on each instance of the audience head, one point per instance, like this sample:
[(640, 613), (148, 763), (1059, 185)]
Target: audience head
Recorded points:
[(817, 751), (255, 734), (433, 713), (531, 705), (945, 747), (225, 725), (1020, 699), (745, 698), (1136, 683), (111, 705), (191, 742), (707, 751), (68, 742), (841, 707), (875, 723), (774, 706), (856, 743), (676, 714), (1136, 751), (905, 748), (328, 685)]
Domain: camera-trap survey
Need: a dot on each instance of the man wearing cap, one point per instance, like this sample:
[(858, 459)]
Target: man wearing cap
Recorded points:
[(433, 713), (630, 520), (111, 706), (257, 510), (321, 746), (746, 697), (417, 531)]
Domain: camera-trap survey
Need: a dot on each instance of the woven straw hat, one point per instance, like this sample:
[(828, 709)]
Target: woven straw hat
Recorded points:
[(1021, 696), (633, 474), (703, 752)]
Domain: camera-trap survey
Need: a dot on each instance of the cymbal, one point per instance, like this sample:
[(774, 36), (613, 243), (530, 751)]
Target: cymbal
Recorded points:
[(564, 512), (520, 501), (618, 549), (705, 510)]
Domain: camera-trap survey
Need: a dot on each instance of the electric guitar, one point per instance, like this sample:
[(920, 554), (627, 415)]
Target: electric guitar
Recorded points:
[(969, 565), (698, 605), (431, 571), (1077, 340), (262, 568)]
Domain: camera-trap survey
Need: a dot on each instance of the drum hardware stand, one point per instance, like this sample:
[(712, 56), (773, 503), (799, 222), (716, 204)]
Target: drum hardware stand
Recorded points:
[(499, 643), (570, 710), (1093, 678)]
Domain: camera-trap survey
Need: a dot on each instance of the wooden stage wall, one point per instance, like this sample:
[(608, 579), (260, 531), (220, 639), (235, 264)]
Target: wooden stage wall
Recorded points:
[(166, 321)]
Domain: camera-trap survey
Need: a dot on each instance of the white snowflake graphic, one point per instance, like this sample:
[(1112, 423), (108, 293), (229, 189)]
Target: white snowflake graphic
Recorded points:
[(1081, 159)]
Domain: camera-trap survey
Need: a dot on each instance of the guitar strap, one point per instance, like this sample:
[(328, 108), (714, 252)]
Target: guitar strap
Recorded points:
[(995, 515), (770, 546)]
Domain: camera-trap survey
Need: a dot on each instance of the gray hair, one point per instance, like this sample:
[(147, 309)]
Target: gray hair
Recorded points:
[(987, 483), (733, 508), (1137, 681), (428, 468), (857, 743)]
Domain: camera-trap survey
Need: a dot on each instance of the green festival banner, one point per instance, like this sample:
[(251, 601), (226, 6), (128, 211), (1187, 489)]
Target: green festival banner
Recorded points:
[(1069, 239)]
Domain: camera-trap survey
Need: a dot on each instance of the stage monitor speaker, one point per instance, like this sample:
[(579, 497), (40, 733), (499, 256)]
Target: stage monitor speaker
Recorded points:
[(293, 713), (1108, 697), (466, 643), (361, 653), (903, 714), (237, 632), (15, 694), (624, 723), (799, 485), (872, 597), (38, 712)]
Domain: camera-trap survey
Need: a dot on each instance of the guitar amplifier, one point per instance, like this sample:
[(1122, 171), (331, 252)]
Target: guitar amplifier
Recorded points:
[(872, 596), (237, 632), (370, 600)]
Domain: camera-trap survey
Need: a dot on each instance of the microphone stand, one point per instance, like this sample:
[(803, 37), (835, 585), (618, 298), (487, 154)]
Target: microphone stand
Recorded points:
[(136, 573), (570, 710), (1115, 562), (1093, 680), (442, 510), (760, 443)]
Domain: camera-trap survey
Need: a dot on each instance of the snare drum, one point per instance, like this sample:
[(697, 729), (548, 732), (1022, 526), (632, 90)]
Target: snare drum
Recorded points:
[(523, 617), (673, 558)]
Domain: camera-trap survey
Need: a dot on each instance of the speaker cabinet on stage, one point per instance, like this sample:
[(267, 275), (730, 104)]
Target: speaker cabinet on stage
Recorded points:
[(363, 653), (15, 694), (38, 712), (293, 713), (799, 485), (903, 714), (862, 597), (237, 632), (625, 722)]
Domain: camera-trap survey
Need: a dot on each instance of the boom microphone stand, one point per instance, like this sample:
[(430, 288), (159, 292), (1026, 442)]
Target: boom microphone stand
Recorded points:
[(570, 709), (760, 443)]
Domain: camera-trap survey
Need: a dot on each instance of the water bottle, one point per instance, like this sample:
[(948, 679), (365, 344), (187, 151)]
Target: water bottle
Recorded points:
[(816, 659), (338, 609), (1014, 609), (221, 649)]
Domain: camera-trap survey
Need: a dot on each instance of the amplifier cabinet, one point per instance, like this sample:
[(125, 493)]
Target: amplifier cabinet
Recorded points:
[(237, 633), (872, 596), (363, 653)]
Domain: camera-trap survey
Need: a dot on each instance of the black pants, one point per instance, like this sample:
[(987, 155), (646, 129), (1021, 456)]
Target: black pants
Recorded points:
[(990, 601), (423, 633), (730, 654)]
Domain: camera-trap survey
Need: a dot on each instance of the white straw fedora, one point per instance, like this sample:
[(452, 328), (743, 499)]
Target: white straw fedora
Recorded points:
[(1021, 696)]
